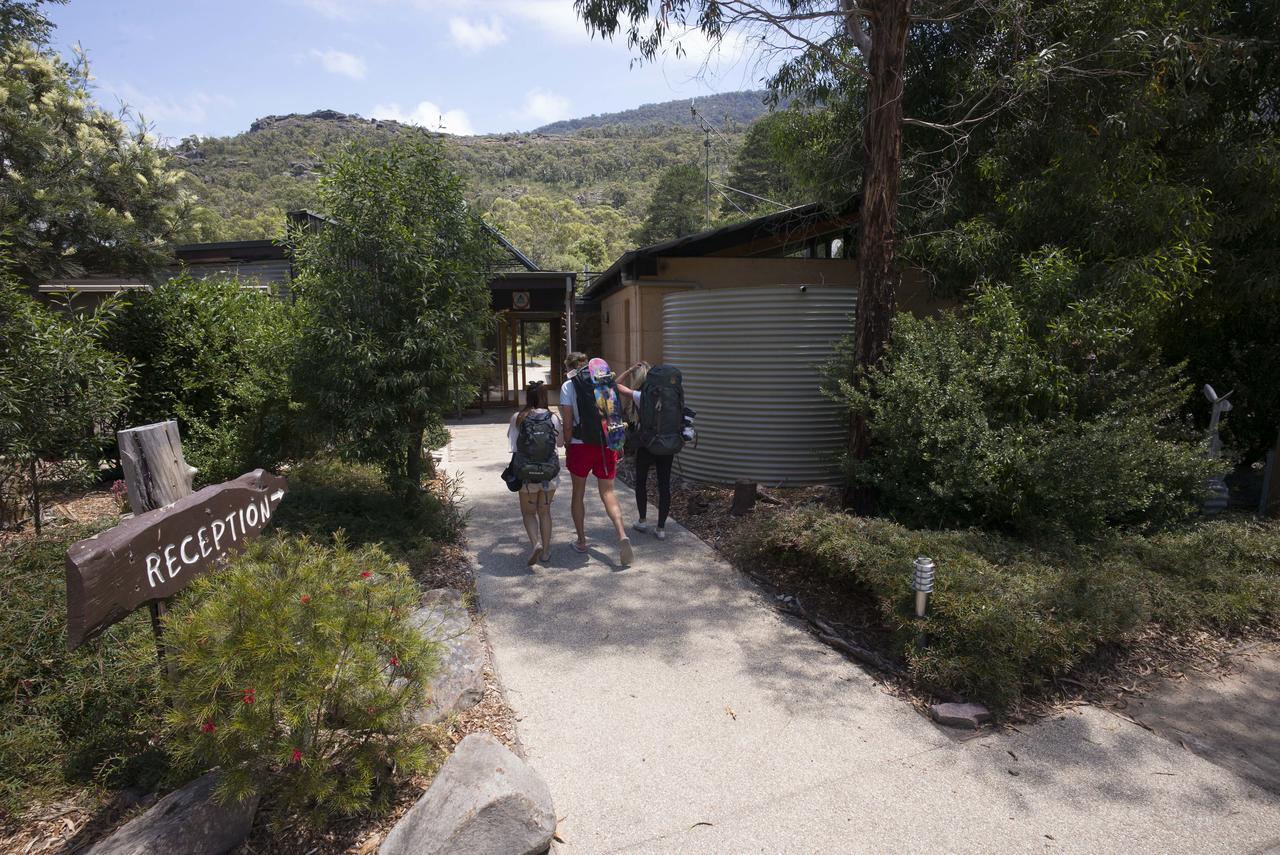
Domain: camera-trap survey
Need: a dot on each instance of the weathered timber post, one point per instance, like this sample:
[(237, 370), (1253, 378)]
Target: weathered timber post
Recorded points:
[(157, 475), (155, 471)]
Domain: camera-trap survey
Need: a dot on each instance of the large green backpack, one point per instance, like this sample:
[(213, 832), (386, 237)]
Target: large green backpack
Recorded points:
[(535, 458), (662, 411)]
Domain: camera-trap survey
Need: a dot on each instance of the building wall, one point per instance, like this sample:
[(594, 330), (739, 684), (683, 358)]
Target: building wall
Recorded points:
[(623, 343)]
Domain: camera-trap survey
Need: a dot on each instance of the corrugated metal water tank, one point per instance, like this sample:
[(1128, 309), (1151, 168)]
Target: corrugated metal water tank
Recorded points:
[(751, 360)]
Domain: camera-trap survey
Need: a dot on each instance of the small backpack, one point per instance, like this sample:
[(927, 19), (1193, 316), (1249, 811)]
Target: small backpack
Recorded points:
[(662, 411), (535, 458)]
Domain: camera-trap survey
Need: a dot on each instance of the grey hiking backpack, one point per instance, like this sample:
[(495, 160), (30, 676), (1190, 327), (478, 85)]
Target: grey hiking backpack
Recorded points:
[(662, 411), (535, 458)]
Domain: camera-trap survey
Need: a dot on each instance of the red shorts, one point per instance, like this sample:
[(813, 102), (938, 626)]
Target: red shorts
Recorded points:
[(598, 460)]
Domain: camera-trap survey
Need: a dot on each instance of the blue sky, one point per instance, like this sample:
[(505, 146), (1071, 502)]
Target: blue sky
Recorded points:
[(485, 66)]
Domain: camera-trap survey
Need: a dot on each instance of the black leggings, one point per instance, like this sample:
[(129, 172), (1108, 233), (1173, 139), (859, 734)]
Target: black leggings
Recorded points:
[(663, 464)]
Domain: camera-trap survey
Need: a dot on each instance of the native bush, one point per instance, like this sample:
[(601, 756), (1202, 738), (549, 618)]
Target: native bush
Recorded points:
[(70, 718), (1007, 616), (1027, 411), (299, 670), (217, 357), (58, 386), (396, 306), (327, 496)]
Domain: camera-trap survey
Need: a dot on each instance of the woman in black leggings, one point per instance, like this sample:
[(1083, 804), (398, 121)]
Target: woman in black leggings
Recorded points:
[(646, 460)]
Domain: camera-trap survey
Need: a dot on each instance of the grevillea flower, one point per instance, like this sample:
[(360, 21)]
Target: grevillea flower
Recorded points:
[(208, 726), (394, 662), (304, 599), (249, 696), (365, 575), (297, 755)]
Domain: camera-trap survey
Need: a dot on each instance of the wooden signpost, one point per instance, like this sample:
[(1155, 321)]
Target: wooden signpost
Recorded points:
[(153, 555)]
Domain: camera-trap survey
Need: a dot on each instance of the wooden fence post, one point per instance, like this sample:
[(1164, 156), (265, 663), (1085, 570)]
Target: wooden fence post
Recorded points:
[(156, 475)]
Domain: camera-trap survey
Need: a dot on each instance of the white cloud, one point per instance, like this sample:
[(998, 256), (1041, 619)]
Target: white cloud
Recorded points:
[(341, 62), (542, 107), (476, 36), (427, 115), (190, 109)]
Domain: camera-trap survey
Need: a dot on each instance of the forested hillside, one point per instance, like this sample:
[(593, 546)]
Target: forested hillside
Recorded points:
[(590, 186), (724, 110)]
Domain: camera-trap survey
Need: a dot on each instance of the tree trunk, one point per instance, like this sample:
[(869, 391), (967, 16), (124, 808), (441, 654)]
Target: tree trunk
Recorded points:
[(414, 467), (877, 239), (35, 495)]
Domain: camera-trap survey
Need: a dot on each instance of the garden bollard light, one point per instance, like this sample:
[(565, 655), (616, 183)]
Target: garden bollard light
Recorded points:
[(923, 583)]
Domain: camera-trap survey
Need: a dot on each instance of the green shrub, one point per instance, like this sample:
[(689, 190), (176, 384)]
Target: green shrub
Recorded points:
[(69, 719), (326, 496), (299, 670), (1007, 616), (218, 358), (1021, 414), (56, 383)]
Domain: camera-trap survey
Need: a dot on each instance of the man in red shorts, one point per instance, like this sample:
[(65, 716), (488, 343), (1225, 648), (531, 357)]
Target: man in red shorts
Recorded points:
[(587, 454)]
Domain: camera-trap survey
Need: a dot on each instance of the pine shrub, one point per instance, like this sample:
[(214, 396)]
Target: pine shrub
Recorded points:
[(299, 670)]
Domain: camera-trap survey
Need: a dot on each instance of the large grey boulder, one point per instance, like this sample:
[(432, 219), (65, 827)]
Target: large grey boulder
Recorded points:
[(187, 820), (484, 801), (459, 683)]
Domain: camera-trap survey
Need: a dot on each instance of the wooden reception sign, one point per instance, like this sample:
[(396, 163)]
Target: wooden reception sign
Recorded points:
[(154, 555)]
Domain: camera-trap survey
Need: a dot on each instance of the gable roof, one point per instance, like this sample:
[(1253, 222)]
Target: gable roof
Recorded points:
[(778, 233)]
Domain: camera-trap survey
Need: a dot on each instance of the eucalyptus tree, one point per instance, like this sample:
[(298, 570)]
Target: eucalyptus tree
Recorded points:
[(395, 303)]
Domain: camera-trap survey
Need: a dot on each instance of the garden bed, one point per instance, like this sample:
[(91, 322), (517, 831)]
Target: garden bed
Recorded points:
[(1043, 626), (82, 744)]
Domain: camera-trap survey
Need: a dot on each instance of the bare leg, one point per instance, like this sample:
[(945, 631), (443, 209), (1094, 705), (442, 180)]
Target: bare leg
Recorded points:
[(611, 506), (544, 521), (529, 515), (578, 510)]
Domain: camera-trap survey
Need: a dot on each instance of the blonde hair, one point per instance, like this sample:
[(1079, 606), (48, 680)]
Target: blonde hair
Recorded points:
[(640, 375)]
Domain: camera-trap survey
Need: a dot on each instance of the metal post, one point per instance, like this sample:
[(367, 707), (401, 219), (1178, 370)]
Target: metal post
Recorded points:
[(923, 583)]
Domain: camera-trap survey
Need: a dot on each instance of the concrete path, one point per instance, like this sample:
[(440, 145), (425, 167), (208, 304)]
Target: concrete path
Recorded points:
[(671, 709)]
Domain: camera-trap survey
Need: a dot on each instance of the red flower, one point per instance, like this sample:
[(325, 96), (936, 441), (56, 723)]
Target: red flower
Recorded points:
[(208, 726), (394, 661), (297, 755), (249, 696), (365, 575), (304, 599)]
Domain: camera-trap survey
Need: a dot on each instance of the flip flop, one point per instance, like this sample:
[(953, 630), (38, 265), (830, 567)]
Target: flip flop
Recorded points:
[(625, 554), (533, 556), (580, 548)]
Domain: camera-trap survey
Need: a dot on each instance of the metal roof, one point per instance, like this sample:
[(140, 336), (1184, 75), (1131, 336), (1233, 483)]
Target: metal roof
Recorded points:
[(770, 233)]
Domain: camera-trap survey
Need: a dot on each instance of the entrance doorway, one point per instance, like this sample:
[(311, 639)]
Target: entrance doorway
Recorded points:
[(529, 347)]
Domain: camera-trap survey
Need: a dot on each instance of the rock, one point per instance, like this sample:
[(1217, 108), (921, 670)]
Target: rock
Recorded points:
[(459, 683), (187, 820), (960, 715), (484, 800)]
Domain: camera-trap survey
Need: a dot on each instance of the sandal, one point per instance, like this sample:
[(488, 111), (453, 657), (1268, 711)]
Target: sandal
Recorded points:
[(580, 548)]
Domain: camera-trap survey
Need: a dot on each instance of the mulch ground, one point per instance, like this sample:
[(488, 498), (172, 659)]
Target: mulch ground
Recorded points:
[(1108, 680)]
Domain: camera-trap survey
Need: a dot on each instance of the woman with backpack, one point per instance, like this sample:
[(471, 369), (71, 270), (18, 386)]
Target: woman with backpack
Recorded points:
[(533, 435), (659, 400)]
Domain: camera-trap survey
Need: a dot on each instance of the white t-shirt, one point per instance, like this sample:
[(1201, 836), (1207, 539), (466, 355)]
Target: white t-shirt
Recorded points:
[(569, 398), (513, 434)]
